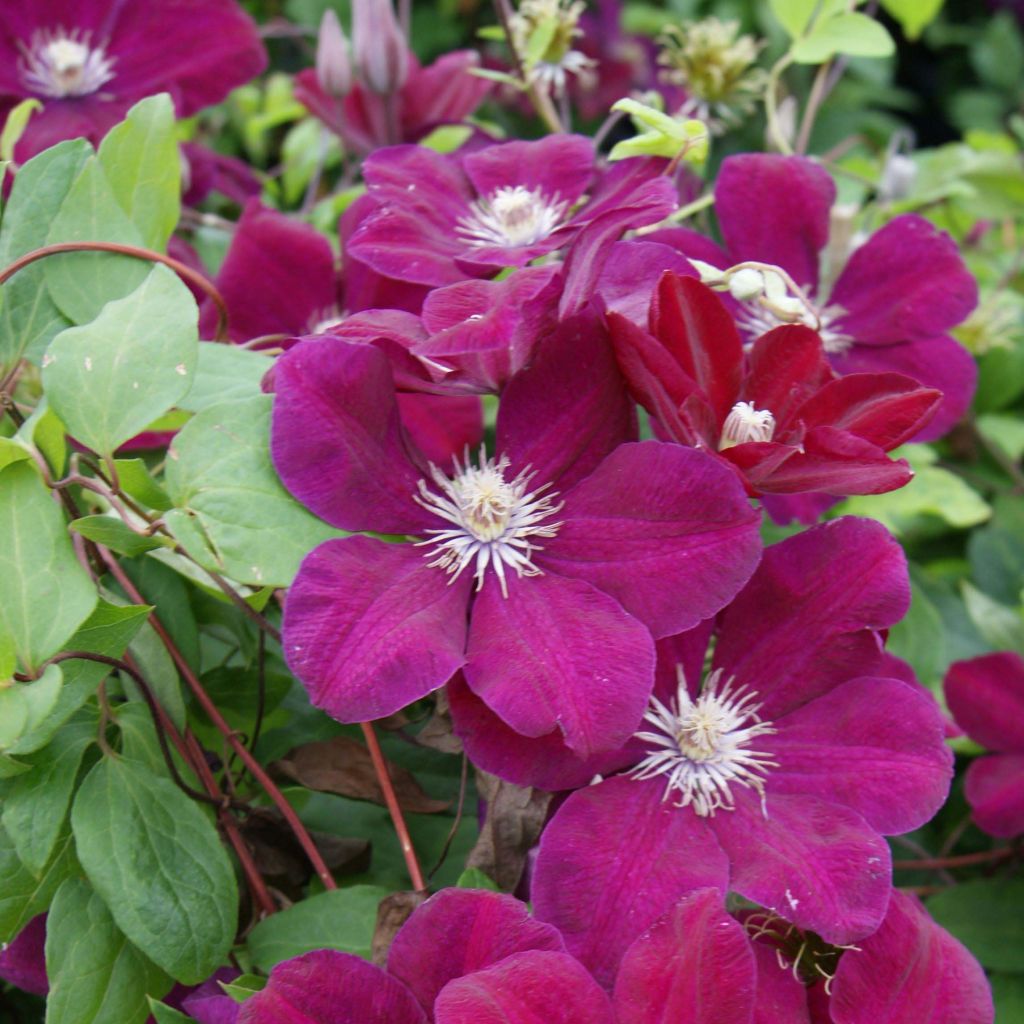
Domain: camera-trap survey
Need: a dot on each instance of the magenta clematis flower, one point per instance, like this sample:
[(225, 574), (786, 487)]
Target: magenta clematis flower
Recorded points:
[(540, 572), (499, 967), (446, 92), (441, 219), (986, 697), (776, 777), (88, 61), (22, 961), (780, 417), (892, 305)]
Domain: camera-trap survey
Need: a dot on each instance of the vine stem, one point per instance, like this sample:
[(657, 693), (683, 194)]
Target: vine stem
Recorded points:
[(964, 860), (250, 762), (137, 252), (395, 810)]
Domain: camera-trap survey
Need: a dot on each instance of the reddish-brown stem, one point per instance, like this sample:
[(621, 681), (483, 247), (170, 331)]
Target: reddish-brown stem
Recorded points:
[(137, 252), (212, 712), (964, 860), (390, 798)]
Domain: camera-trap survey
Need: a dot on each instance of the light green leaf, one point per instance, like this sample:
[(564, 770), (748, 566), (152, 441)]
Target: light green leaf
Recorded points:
[(342, 919), (109, 379), (82, 283), (855, 35), (913, 15), (96, 975), (45, 594), (141, 161), (175, 897), (44, 431), (137, 482), (984, 914), (164, 1014), (793, 15), (233, 515), (225, 373), (244, 987), (111, 531), (474, 878), (29, 318), (24, 706), (540, 39), (1006, 431), (1002, 627), (15, 124), (22, 895), (37, 805)]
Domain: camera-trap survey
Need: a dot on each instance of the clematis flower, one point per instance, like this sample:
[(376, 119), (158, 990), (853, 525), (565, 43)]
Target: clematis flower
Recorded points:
[(774, 777), (22, 961), (780, 417), (499, 967), (446, 92), (986, 697), (441, 219), (892, 305), (88, 61), (539, 571)]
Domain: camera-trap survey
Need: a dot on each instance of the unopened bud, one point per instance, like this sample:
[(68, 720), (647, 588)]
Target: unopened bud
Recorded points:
[(333, 60), (381, 53), (746, 284), (898, 177), (709, 275)]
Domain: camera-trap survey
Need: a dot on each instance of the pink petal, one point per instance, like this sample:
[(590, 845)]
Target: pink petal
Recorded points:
[(908, 972), (477, 928), (631, 273), (995, 790), (781, 998), (694, 965), (666, 530), (787, 367), (558, 653), (806, 620), (327, 987), (369, 627), (615, 858), (986, 697), (527, 988), (23, 961), (874, 745), (560, 166), (815, 863), (442, 426)]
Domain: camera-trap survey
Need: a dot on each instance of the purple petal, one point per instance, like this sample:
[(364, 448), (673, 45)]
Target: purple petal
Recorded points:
[(781, 998), (442, 426), (986, 697), (812, 862), (666, 530), (557, 653), (542, 761), (527, 988), (940, 362), (327, 987), (369, 627), (569, 409), (775, 209), (694, 965), (908, 972), (875, 745), (907, 282), (995, 790), (442, 93), (477, 928), (805, 621), (210, 1004), (632, 272), (613, 860), (336, 439), (22, 962)]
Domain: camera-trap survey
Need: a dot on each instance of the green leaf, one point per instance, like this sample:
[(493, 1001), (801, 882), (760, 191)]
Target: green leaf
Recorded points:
[(540, 39), (985, 916), (913, 15), (29, 318), (109, 379), (342, 919), (1008, 996), (111, 628), (45, 594), (164, 1014), (225, 373), (22, 895), (1002, 627), (137, 482), (996, 552), (474, 878), (37, 805), (24, 706), (244, 987), (141, 160), (855, 35), (44, 431), (82, 283), (793, 15), (111, 531), (233, 515), (175, 897), (14, 126), (96, 975)]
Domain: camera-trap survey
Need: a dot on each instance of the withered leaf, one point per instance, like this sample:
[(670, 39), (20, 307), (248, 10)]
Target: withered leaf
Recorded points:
[(392, 912)]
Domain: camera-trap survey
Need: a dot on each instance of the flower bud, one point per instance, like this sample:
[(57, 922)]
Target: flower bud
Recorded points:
[(333, 61), (746, 284), (381, 53)]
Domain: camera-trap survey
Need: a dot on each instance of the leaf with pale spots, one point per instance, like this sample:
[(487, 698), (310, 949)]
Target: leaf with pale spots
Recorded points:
[(110, 379)]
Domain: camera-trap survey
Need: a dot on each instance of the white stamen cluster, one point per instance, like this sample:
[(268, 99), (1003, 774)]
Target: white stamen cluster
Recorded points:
[(701, 745), (493, 520), (756, 320), (511, 216), (745, 423), (58, 63)]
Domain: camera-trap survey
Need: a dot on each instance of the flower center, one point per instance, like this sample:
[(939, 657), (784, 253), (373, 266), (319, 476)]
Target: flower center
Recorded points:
[(702, 745), (745, 423), (512, 216), (756, 320), (59, 63), (493, 519)]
